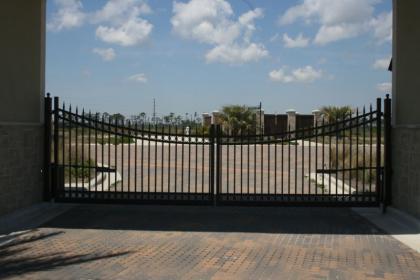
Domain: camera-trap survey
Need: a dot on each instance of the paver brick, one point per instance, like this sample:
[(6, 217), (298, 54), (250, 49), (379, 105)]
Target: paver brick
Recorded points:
[(90, 242)]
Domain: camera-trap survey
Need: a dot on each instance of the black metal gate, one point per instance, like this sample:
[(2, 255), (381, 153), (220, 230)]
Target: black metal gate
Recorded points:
[(345, 161)]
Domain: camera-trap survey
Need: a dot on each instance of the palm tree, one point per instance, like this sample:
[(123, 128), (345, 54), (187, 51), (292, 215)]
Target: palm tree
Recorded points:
[(237, 119), (335, 113)]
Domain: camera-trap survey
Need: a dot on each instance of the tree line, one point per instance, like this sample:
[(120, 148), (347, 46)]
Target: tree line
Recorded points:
[(145, 119)]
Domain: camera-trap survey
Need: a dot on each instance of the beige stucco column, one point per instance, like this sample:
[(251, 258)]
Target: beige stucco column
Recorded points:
[(22, 63), (22, 56), (317, 117), (406, 63), (406, 106), (291, 119)]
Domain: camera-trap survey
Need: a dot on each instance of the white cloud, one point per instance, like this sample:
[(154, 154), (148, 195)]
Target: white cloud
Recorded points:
[(299, 42), (330, 12), (134, 31), (211, 22), (327, 34), (141, 78), (117, 11), (119, 21), (122, 24), (206, 21), (68, 15), (106, 54), (382, 64), (384, 87), (340, 20), (232, 54), (382, 27), (280, 76), (306, 74)]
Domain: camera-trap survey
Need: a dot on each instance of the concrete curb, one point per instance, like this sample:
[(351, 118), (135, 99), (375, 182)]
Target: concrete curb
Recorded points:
[(31, 217), (400, 225)]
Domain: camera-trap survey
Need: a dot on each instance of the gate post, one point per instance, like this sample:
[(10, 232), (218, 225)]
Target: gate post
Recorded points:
[(47, 147), (56, 160), (379, 185), (387, 197)]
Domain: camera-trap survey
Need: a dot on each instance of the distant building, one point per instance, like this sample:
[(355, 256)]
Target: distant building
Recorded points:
[(273, 123)]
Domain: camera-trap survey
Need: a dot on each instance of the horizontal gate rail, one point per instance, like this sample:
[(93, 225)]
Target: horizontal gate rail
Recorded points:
[(326, 171)]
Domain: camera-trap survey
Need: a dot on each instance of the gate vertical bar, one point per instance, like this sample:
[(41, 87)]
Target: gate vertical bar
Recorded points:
[(47, 147), (387, 195), (378, 149)]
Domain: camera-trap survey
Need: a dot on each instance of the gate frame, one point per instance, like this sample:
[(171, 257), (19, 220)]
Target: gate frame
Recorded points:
[(383, 174)]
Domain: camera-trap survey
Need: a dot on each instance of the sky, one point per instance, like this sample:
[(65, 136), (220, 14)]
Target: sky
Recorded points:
[(198, 55)]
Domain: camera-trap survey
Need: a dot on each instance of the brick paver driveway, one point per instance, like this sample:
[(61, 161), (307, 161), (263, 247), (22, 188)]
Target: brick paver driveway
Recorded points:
[(179, 242)]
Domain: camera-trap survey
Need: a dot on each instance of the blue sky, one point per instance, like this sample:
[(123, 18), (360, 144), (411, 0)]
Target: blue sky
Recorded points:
[(197, 55)]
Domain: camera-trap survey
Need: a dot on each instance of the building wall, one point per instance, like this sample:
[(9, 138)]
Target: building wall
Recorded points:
[(275, 124), (20, 166), (22, 48), (406, 183), (406, 104)]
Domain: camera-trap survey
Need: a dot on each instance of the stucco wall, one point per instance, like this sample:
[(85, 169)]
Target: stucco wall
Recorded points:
[(406, 104), (22, 48), (22, 51), (20, 166), (406, 156), (406, 62)]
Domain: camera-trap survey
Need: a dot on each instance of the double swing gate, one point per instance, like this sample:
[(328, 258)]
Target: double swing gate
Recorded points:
[(341, 160)]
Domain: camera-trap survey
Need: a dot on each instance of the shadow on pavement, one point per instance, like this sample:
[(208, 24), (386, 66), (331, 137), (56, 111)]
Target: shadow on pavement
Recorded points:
[(17, 257), (298, 220)]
